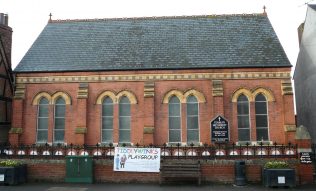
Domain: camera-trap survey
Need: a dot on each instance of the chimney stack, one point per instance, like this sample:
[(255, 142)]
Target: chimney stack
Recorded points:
[(6, 36), (4, 19)]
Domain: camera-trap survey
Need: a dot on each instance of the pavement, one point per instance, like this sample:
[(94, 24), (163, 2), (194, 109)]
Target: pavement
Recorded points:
[(144, 187)]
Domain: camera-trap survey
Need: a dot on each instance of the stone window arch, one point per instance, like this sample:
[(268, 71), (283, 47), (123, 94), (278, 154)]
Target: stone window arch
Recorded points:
[(41, 95), (131, 97), (183, 96), (63, 95), (172, 93), (105, 94), (242, 91), (266, 93), (198, 95), (116, 97)]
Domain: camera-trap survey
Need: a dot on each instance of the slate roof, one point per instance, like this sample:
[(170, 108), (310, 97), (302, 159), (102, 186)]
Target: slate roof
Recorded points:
[(184, 42), (313, 6)]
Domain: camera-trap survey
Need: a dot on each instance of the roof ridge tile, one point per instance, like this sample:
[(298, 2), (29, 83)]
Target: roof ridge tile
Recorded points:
[(156, 17)]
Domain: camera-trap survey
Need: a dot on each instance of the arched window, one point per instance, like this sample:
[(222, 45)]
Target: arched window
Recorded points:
[(192, 119), (174, 120), (107, 120), (262, 125), (124, 120), (42, 121), (243, 118), (59, 117)]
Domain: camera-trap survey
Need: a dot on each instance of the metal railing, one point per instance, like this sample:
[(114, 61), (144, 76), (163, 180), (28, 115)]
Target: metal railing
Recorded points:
[(177, 151)]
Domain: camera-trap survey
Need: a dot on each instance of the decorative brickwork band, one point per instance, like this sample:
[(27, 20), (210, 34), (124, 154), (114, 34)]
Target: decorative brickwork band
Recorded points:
[(149, 130), (19, 91), (155, 77), (290, 128), (16, 131), (81, 130), (83, 91), (149, 89), (217, 88), (287, 87)]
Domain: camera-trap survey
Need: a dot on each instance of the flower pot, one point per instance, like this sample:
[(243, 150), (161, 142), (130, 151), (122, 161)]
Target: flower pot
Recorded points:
[(278, 177), (13, 175)]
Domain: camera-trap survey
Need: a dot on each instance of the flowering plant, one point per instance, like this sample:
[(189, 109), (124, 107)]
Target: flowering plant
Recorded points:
[(9, 163), (276, 164)]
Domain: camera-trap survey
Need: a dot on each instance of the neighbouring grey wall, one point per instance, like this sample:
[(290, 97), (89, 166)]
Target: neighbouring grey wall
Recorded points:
[(305, 75)]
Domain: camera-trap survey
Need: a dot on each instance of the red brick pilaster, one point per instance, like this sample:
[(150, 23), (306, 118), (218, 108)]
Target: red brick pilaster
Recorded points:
[(17, 116), (218, 98), (149, 113), (288, 110), (14, 138), (81, 127)]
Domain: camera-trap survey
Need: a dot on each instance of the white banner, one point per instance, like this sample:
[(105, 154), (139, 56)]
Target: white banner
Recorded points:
[(137, 159)]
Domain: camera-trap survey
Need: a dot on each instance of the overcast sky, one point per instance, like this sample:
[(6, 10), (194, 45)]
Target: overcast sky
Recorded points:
[(28, 17)]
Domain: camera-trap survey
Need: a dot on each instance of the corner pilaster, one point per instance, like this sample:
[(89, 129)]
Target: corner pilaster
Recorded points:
[(17, 116)]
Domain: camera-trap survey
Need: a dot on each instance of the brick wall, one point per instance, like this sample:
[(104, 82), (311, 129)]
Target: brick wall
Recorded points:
[(104, 173), (220, 171), (154, 114)]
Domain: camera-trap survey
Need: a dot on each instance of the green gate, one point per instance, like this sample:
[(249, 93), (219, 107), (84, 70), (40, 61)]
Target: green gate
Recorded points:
[(79, 169)]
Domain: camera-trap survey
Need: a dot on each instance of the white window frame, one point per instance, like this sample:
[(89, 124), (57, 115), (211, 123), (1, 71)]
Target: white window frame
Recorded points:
[(198, 116), (54, 131), (249, 120), (130, 121), (180, 122), (267, 114), (102, 116), (37, 121)]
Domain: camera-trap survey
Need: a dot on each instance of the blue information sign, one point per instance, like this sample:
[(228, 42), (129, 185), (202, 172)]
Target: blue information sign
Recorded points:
[(219, 129)]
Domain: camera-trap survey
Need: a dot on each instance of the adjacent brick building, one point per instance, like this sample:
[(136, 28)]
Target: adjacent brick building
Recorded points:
[(154, 80), (6, 80)]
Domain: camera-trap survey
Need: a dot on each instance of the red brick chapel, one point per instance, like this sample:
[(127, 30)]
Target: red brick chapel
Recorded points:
[(154, 80)]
